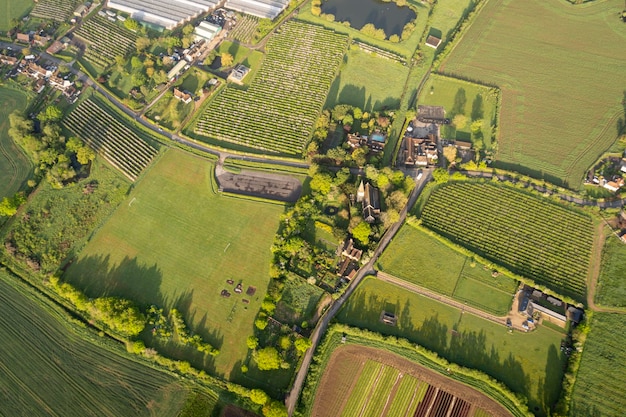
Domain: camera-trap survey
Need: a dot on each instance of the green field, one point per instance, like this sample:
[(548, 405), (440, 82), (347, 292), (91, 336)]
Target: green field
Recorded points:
[(174, 243), (12, 9), (528, 363), (530, 235), (599, 387), (562, 91), (50, 369), (446, 16), (170, 112), (423, 260), (368, 81), (611, 290), (14, 165), (473, 101)]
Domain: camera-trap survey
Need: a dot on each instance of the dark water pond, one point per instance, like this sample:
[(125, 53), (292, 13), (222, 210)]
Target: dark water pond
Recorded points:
[(386, 16)]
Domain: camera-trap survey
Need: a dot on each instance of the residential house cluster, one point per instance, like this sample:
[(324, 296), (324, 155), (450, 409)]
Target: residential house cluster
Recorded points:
[(349, 260), (48, 75), (375, 142)]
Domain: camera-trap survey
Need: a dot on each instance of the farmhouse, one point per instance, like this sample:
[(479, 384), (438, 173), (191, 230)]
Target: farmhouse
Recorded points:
[(206, 31), (368, 196), (260, 8), (165, 13), (54, 48), (238, 74), (433, 41), (182, 96)]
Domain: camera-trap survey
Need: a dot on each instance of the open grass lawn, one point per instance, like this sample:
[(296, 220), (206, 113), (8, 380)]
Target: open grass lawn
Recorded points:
[(368, 81), (599, 387), (49, 369), (528, 363), (563, 91), (170, 112), (194, 80), (10, 9), (446, 16), (174, 243), (423, 260), (611, 290), (14, 165), (473, 101)]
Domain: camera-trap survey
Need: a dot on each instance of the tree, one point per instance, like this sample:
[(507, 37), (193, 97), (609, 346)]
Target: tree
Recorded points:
[(131, 24), (52, 113), (449, 152), (321, 183), (187, 29), (9, 205), (302, 344), (397, 200), (142, 44), (362, 232), (259, 396), (274, 409), (268, 306), (267, 359), (226, 59), (261, 321), (138, 79), (440, 175), (285, 342), (136, 63), (252, 342), (459, 121), (85, 155), (357, 113), (121, 315)]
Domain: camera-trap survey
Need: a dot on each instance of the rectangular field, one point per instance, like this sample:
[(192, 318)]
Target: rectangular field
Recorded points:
[(106, 40), (423, 260), (123, 147), (12, 9), (611, 290), (14, 164), (175, 243), (58, 10), (530, 235), (600, 382), (276, 113), (554, 123), (49, 369), (534, 371)]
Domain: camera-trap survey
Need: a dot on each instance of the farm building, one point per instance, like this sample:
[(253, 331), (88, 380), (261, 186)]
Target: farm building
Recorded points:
[(238, 74), (164, 13), (176, 70), (432, 114), (206, 31), (433, 41), (261, 8)]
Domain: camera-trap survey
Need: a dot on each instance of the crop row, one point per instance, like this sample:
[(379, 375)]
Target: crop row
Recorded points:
[(58, 10), (530, 235), (107, 38), (110, 138), (245, 29), (277, 112), (359, 394)]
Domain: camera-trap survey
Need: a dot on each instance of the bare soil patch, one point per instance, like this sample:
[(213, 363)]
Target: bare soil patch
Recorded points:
[(232, 411), (326, 398), (260, 184)]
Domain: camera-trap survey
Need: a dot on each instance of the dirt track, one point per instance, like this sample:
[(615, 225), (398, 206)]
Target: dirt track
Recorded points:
[(362, 353)]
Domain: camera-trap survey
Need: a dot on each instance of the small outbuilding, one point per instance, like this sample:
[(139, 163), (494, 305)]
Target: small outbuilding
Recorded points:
[(433, 41)]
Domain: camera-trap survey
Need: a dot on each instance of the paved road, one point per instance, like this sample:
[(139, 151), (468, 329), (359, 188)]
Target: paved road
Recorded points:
[(443, 299), (367, 269)]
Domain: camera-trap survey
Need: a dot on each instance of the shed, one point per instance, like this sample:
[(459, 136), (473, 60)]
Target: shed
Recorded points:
[(433, 41)]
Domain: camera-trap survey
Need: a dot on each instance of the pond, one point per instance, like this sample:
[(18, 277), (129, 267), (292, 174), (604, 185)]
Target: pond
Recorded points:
[(387, 16)]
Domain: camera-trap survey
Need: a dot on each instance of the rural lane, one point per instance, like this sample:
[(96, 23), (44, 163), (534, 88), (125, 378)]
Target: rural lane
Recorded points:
[(365, 270)]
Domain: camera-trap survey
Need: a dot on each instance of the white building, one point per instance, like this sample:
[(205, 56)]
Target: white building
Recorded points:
[(206, 30), (261, 8), (164, 13)]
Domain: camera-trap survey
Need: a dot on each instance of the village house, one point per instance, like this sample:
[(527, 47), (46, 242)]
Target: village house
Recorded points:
[(54, 48), (349, 251), (349, 258), (36, 71), (374, 142), (40, 85), (8, 60), (182, 96), (41, 40), (368, 196), (23, 37), (614, 185), (420, 152)]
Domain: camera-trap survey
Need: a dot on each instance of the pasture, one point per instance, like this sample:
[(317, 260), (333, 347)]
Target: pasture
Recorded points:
[(600, 382), (446, 16), (12, 9), (554, 121), (173, 242), (534, 371), (50, 367), (423, 260), (475, 102), (14, 164), (277, 112), (530, 235), (368, 81), (611, 289)]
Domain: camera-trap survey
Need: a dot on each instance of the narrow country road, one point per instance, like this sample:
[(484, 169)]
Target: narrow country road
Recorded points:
[(443, 299), (367, 269)]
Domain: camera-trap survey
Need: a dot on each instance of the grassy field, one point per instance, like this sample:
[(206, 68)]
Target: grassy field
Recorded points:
[(599, 388), (532, 236), (10, 9), (174, 243), (555, 121), (611, 290), (421, 259), (170, 112), (534, 370), (50, 369), (473, 101), (446, 16), (368, 81), (14, 165)]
